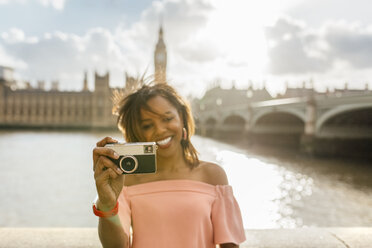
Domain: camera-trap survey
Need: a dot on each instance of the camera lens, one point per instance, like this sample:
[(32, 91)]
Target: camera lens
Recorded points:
[(128, 164)]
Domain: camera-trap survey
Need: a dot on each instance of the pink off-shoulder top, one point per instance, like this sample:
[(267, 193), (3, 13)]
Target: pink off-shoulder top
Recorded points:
[(180, 213)]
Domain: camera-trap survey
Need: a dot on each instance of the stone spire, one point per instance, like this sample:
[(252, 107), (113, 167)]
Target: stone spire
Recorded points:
[(85, 87), (160, 59)]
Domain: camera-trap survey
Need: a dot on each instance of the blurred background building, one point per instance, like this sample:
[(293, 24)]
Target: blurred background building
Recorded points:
[(337, 121), (39, 108)]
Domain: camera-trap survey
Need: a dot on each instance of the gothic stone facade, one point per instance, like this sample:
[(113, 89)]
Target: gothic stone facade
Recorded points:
[(57, 109)]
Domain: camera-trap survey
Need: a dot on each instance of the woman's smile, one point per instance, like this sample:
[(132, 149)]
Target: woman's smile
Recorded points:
[(164, 143)]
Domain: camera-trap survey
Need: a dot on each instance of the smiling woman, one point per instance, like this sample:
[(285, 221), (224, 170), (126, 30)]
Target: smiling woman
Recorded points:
[(143, 112), (186, 203)]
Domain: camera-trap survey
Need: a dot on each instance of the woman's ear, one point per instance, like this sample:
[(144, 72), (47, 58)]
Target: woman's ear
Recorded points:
[(184, 134)]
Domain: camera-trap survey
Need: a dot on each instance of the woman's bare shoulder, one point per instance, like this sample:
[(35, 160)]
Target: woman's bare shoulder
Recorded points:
[(213, 173)]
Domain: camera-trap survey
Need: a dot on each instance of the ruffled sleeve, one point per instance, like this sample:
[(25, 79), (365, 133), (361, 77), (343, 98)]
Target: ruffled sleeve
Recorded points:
[(226, 217), (125, 212)]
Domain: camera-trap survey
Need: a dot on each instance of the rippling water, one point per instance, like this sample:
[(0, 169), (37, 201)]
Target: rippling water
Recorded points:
[(47, 181)]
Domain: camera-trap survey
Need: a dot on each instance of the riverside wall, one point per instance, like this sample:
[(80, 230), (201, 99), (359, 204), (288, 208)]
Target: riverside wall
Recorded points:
[(350, 237)]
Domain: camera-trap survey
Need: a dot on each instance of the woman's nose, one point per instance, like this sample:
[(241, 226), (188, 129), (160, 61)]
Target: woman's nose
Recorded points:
[(160, 128)]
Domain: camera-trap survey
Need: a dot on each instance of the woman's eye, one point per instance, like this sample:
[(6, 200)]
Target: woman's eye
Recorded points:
[(168, 119), (145, 127)]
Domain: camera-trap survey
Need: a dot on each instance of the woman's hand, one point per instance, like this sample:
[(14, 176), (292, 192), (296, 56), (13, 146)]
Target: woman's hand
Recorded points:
[(109, 177)]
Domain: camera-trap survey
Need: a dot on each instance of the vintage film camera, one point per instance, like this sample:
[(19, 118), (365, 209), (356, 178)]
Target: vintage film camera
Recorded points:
[(135, 158)]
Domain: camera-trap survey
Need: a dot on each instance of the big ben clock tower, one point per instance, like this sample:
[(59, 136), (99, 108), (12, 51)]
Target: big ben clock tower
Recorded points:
[(160, 59)]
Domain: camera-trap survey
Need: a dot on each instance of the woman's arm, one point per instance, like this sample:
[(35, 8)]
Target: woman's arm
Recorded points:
[(111, 233), (109, 183)]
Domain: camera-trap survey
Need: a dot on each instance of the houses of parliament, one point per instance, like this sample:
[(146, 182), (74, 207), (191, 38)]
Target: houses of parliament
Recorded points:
[(38, 108)]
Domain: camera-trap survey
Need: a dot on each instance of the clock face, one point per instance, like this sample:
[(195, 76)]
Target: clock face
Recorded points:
[(160, 57)]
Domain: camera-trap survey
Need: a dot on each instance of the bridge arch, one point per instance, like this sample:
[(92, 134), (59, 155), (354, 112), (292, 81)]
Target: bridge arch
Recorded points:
[(239, 115), (210, 121), (210, 126), (279, 122), (259, 115), (278, 128), (234, 123), (235, 120), (346, 121), (232, 127)]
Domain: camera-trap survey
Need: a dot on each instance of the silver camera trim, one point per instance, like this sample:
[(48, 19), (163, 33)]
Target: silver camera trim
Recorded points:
[(135, 163)]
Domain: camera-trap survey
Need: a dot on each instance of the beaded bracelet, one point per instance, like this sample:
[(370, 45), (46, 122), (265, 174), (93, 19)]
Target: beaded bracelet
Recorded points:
[(106, 214)]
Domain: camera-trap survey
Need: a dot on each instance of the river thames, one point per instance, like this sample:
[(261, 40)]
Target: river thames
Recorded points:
[(47, 181)]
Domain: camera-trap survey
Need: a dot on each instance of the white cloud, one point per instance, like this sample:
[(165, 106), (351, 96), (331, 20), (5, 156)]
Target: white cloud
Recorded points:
[(335, 53), (62, 55), (57, 4), (199, 53), (12, 1), (6, 59), (14, 35), (296, 49), (350, 42)]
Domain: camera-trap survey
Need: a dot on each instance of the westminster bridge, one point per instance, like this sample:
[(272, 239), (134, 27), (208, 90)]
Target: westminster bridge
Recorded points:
[(317, 124)]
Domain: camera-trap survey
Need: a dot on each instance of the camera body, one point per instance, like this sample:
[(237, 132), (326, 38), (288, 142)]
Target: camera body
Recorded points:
[(135, 158)]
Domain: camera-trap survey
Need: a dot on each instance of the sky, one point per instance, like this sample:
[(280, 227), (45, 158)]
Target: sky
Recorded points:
[(263, 43)]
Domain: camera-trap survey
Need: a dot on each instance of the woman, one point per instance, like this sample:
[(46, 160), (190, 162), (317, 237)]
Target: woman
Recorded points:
[(186, 203)]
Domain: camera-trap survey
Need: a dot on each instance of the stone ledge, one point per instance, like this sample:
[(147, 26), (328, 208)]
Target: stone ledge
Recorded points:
[(354, 237)]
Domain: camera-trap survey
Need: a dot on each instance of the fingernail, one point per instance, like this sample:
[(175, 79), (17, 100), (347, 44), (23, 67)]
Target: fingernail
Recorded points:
[(116, 155), (119, 171)]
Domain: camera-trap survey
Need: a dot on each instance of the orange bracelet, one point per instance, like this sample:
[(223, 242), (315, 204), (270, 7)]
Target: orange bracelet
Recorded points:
[(106, 214)]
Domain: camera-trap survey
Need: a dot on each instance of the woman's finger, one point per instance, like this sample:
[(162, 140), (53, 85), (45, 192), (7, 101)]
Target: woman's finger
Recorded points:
[(106, 140), (103, 163), (103, 151), (105, 175)]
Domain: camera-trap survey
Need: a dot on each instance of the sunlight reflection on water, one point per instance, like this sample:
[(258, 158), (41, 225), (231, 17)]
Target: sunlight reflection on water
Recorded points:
[(265, 192)]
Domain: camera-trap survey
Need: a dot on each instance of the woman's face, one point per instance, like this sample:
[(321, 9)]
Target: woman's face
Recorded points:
[(164, 126)]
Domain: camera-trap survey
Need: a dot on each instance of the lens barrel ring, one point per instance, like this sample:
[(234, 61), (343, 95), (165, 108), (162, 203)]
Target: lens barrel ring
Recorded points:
[(134, 167)]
